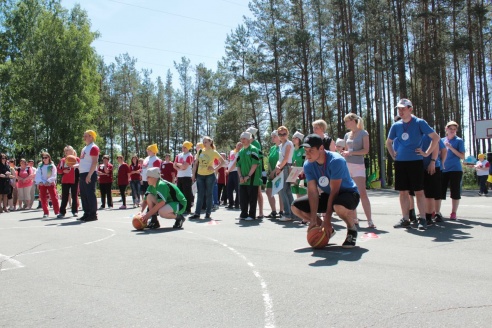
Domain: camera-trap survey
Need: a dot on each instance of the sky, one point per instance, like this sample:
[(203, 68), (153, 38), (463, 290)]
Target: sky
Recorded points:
[(159, 32)]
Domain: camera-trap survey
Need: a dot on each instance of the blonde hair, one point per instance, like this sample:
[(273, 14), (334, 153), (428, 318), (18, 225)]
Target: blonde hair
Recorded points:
[(355, 117), (282, 128), (450, 123), (321, 124), (70, 148), (211, 141)]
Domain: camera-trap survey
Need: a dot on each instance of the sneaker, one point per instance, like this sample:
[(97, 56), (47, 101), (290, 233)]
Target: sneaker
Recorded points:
[(180, 219), (438, 217), (249, 218), (281, 213), (45, 216), (480, 194), (272, 215), (60, 216), (422, 224), (110, 208), (429, 222), (453, 216), (351, 239), (208, 217), (153, 223), (194, 216), (215, 207), (101, 208), (402, 224), (82, 218), (413, 219), (230, 207), (75, 214), (371, 224), (284, 219), (90, 218), (333, 232), (122, 207)]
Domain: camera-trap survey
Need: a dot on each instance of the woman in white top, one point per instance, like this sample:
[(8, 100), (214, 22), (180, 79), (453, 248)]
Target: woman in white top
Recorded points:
[(286, 151), (356, 146), (46, 180)]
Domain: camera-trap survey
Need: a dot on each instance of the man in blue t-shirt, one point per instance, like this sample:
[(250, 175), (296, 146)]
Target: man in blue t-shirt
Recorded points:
[(328, 172), (409, 175)]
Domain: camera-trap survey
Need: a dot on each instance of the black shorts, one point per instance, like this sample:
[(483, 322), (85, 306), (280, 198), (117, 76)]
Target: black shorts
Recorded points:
[(409, 175), (349, 200), (432, 184), (453, 179)]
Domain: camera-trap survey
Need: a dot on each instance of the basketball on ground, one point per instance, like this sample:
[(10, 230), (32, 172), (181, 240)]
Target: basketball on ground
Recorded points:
[(70, 160), (138, 222), (317, 237)]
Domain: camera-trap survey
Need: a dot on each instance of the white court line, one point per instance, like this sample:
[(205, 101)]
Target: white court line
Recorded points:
[(267, 299), (16, 264)]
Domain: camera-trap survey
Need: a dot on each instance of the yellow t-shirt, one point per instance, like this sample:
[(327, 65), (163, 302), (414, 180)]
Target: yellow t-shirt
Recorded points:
[(205, 159)]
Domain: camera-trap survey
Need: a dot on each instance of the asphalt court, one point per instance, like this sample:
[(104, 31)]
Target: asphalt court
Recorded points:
[(229, 273)]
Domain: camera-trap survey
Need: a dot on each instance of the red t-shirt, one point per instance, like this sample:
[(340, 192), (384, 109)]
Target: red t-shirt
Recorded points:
[(167, 171), (123, 171), (222, 176), (66, 177), (135, 176), (106, 178)]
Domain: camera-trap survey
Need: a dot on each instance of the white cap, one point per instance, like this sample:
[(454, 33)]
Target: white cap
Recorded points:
[(404, 103), (340, 142), (252, 130), (245, 135), (154, 172), (298, 135)]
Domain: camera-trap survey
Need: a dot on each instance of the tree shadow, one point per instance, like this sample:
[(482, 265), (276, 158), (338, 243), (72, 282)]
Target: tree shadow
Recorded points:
[(332, 254)]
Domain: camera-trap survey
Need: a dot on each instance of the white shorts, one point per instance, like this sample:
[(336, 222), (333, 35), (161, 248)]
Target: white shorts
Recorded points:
[(357, 170)]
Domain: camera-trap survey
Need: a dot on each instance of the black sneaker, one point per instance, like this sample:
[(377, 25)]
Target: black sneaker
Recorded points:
[(153, 223), (194, 216), (429, 222), (272, 215), (208, 217), (281, 213), (422, 224), (438, 217), (413, 219), (230, 207), (351, 239), (402, 224), (180, 219)]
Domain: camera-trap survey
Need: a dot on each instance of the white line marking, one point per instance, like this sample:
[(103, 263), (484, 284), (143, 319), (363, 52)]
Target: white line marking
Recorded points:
[(96, 241), (16, 264), (267, 299)]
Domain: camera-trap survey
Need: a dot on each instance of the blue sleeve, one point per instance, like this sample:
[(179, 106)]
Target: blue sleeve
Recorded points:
[(392, 133), (425, 128), (337, 167), (441, 144), (461, 146), (308, 172)]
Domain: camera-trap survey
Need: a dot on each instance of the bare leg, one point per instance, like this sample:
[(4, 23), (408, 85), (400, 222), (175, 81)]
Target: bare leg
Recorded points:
[(404, 203), (420, 202), (260, 201), (454, 205), (271, 200)]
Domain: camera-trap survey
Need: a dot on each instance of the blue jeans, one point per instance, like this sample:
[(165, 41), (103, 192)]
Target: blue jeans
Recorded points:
[(286, 193), (88, 194), (205, 186), (216, 193), (135, 185)]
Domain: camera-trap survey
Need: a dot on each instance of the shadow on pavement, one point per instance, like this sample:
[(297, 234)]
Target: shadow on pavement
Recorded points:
[(154, 231), (332, 254), (444, 231)]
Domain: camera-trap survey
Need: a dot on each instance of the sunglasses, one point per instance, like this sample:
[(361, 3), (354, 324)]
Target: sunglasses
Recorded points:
[(46, 158)]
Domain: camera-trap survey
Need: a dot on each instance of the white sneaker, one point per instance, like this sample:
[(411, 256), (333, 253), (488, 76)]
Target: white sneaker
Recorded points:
[(45, 216), (249, 218), (284, 219), (60, 216)]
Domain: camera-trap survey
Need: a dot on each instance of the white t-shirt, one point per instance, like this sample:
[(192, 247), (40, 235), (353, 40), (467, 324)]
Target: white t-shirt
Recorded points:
[(282, 152), (482, 165), (85, 157), (147, 164), (185, 158), (232, 160)]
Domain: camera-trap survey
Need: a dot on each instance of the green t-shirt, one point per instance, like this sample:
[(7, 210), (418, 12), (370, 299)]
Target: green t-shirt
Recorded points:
[(298, 157), (273, 158), (167, 192), (246, 158)]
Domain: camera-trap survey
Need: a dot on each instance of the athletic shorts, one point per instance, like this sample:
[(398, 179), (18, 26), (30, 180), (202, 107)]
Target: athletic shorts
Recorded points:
[(178, 208), (409, 175), (432, 184), (453, 180), (357, 170), (349, 200), (297, 190)]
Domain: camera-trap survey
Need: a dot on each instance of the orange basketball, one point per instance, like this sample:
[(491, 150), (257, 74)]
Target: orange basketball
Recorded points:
[(317, 237), (70, 160), (138, 222)]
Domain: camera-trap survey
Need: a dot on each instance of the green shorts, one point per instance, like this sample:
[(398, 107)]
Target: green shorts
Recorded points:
[(269, 184), (178, 208)]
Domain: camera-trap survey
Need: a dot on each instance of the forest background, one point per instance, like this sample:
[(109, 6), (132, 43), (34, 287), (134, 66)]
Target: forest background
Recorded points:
[(289, 63)]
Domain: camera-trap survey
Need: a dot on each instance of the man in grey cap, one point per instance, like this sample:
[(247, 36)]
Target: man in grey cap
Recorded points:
[(163, 198)]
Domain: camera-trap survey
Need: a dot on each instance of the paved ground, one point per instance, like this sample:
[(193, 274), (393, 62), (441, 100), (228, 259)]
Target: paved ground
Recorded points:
[(227, 273)]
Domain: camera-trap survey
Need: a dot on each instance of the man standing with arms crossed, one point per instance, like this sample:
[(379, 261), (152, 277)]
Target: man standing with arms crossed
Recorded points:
[(408, 132)]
